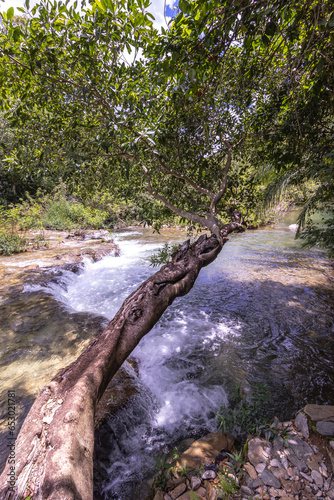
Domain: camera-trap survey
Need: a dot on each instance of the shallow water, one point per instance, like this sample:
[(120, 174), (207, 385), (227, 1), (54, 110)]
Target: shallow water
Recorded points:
[(262, 312)]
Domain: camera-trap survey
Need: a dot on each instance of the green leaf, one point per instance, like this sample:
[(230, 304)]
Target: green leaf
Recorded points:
[(10, 13)]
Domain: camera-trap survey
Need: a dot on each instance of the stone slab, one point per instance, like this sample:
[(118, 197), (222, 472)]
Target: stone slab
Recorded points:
[(320, 412), (325, 428)]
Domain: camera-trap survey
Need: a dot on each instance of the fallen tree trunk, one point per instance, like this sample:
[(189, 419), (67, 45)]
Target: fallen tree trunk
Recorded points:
[(54, 449)]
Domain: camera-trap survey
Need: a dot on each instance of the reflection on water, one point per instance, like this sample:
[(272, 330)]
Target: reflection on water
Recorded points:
[(261, 312)]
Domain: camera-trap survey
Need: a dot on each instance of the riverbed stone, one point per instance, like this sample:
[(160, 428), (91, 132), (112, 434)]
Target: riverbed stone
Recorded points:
[(195, 483), (176, 492), (259, 451), (159, 495), (205, 449), (209, 474), (250, 470), (245, 490), (269, 479), (280, 473), (300, 448), (325, 428), (302, 425), (320, 412), (317, 478), (297, 463)]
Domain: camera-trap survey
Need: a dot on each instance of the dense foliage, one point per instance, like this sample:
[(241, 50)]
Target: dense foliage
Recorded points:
[(234, 96)]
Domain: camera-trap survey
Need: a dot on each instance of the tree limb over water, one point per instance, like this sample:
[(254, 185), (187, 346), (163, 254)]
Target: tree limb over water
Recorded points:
[(54, 449)]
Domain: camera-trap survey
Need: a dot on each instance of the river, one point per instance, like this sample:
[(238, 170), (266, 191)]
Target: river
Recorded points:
[(262, 312)]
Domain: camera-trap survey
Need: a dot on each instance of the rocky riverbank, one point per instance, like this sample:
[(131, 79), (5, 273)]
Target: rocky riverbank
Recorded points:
[(298, 464)]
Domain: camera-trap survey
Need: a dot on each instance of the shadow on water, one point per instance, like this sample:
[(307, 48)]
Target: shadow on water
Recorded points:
[(38, 336)]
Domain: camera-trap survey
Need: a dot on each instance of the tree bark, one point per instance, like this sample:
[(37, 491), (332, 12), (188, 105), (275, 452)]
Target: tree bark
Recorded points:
[(54, 449)]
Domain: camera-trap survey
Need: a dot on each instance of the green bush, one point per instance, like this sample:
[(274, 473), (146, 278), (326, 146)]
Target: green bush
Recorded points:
[(62, 215), (11, 243)]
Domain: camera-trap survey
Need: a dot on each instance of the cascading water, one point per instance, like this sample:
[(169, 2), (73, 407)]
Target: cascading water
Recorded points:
[(258, 313)]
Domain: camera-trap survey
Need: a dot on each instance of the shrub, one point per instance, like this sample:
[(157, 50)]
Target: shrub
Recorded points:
[(11, 243), (62, 214)]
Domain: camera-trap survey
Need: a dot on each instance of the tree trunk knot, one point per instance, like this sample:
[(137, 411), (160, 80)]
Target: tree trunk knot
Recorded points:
[(136, 314)]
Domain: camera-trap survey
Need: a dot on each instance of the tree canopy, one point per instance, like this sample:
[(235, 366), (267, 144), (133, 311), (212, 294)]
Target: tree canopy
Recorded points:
[(181, 113)]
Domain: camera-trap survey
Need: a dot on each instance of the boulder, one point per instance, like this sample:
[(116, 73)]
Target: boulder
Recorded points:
[(320, 412), (205, 449), (325, 428)]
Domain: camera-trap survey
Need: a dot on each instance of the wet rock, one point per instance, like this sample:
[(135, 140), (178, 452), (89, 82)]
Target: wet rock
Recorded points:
[(325, 428), (320, 412), (302, 425), (269, 479)]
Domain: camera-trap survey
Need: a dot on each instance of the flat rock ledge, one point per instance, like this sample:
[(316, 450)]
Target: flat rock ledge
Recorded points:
[(298, 464)]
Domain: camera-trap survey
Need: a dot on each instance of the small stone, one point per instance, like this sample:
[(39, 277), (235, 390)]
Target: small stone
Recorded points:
[(269, 479), (209, 474), (317, 478), (195, 483), (159, 496), (323, 471), (325, 428), (250, 470), (315, 448), (290, 471), (211, 466), (255, 483), (275, 463), (176, 492), (300, 448), (297, 463), (260, 468), (285, 462), (273, 492), (280, 473), (302, 425), (331, 444), (305, 476), (285, 497), (246, 491), (201, 492), (167, 497), (296, 486)]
